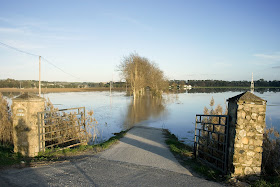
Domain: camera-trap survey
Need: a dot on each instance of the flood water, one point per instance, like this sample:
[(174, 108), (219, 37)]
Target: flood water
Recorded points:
[(175, 112)]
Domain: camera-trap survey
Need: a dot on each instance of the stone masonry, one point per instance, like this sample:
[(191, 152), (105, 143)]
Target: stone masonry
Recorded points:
[(25, 127), (246, 127)]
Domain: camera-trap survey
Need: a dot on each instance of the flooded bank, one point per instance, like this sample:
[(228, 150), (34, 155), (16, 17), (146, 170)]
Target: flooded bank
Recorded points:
[(175, 112)]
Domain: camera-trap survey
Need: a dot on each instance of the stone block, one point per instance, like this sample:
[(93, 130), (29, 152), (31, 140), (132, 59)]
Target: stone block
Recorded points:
[(262, 109), (250, 153), (251, 147), (259, 129), (250, 134), (258, 149), (241, 114), (257, 170), (258, 142), (249, 162), (251, 142), (240, 107), (242, 133), (248, 171), (241, 159), (254, 116), (245, 140), (260, 118), (238, 171), (247, 108), (248, 117), (254, 109)]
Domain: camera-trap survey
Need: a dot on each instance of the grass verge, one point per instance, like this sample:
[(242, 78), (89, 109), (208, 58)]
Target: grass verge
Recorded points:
[(185, 156), (184, 153), (10, 159)]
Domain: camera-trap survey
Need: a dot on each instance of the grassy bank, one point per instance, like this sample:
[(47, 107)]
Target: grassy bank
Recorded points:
[(10, 159), (184, 153), (54, 90)]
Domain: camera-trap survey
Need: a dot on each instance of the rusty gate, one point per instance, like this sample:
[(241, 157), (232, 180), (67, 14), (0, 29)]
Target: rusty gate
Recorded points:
[(61, 128)]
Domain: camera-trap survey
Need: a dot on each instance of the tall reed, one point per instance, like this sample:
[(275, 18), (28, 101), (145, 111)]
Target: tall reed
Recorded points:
[(6, 127)]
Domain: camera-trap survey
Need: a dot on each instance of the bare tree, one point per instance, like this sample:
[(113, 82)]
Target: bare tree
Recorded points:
[(141, 74)]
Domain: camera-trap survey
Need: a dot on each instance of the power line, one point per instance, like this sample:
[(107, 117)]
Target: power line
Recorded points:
[(8, 46), (25, 52), (59, 68)]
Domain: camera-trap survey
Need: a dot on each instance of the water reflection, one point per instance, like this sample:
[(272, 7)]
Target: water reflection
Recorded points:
[(143, 108), (175, 112)]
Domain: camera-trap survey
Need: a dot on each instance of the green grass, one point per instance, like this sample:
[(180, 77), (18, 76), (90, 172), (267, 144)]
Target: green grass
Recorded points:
[(186, 156), (268, 181), (8, 157)]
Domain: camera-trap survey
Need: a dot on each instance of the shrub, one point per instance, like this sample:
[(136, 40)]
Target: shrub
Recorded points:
[(271, 152), (6, 127)]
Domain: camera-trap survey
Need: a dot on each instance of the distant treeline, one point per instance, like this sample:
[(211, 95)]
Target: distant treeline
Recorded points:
[(221, 83), (11, 83)]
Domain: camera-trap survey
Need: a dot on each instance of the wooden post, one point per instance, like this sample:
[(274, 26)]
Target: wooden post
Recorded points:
[(39, 76)]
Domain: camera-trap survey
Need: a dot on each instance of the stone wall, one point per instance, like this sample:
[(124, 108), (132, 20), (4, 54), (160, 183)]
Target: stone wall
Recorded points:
[(246, 127), (25, 127)]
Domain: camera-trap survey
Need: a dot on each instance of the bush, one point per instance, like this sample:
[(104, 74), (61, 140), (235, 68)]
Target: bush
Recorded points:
[(271, 152), (6, 127)]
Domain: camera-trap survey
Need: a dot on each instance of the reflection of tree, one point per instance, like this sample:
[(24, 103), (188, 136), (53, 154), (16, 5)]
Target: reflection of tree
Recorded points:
[(142, 109)]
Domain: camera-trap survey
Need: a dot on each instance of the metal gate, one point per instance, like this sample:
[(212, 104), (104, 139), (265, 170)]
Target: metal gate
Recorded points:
[(211, 140), (61, 128)]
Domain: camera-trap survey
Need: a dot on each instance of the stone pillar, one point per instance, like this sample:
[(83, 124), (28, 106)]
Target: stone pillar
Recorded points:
[(25, 126), (246, 127)]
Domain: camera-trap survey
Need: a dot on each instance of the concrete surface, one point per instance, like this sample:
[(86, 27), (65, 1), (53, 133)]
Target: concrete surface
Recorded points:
[(138, 160), (145, 146), (96, 171)]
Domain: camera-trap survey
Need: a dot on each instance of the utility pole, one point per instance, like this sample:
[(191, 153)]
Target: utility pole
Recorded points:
[(110, 88), (39, 76), (252, 84)]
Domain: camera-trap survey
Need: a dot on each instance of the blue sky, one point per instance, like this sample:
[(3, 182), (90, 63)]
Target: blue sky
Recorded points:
[(188, 39)]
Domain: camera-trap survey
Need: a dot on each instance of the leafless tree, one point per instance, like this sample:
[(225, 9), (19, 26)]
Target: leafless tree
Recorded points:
[(140, 73)]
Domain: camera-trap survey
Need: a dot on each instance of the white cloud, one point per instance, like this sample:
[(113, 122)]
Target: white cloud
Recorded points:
[(23, 45), (10, 30), (2, 19), (130, 20), (222, 64), (274, 56)]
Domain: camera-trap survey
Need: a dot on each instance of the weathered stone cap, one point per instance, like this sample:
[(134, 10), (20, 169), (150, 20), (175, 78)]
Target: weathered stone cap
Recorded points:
[(247, 97), (28, 96)]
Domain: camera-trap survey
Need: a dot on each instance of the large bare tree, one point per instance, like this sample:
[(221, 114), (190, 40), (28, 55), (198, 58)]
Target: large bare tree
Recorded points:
[(141, 74)]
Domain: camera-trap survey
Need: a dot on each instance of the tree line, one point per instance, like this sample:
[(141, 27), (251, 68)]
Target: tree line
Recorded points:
[(222, 83), (12, 83)]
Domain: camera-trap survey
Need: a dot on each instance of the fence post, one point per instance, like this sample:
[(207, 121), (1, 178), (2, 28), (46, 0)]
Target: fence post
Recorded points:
[(25, 123), (246, 127)]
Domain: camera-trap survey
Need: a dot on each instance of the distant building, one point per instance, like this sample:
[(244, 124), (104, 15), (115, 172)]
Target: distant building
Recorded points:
[(187, 87)]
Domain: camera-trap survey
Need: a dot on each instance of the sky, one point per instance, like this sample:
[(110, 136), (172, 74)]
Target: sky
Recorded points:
[(188, 39)]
